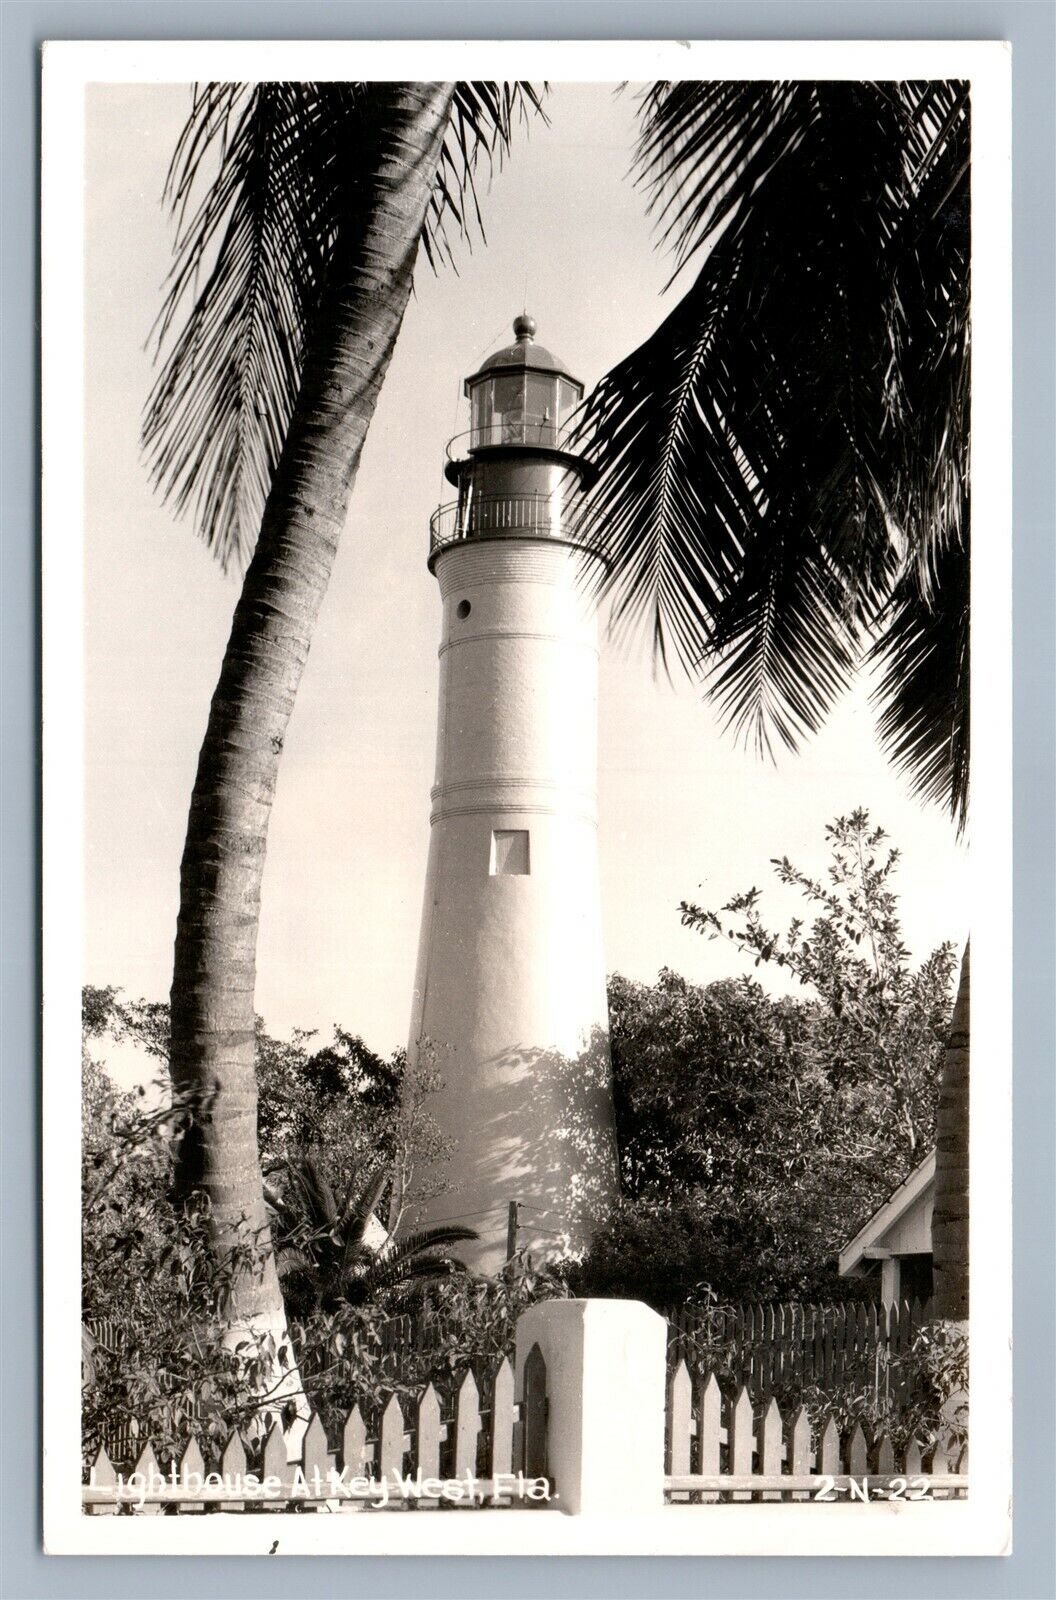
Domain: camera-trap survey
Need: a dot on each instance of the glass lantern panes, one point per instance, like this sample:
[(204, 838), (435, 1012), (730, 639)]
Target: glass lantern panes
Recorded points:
[(568, 399), (498, 409), (522, 408), (540, 408), (481, 413)]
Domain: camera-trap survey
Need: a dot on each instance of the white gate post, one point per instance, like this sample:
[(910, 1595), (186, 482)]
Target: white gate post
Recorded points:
[(606, 1392)]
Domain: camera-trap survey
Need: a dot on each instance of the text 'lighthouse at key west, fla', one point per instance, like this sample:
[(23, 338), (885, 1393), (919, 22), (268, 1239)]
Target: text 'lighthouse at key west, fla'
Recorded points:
[(510, 1021)]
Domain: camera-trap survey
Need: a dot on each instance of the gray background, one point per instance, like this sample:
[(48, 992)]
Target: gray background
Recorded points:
[(1029, 1574)]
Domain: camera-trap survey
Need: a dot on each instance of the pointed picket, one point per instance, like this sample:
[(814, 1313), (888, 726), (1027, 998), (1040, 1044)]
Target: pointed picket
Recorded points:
[(679, 1421), (865, 1348), (885, 1455), (857, 1453), (794, 1348), (233, 1469), (275, 1463), (316, 1460), (859, 1348), (742, 1443), (895, 1376), (817, 1352), (938, 1462), (147, 1472), (103, 1476), (467, 1426), (914, 1461), (799, 1451), (780, 1353), (233, 1457), (770, 1335), (192, 1471), (427, 1452), (390, 1441), (502, 1415), (874, 1329), (709, 1433), (829, 1449), (354, 1444), (771, 1447)]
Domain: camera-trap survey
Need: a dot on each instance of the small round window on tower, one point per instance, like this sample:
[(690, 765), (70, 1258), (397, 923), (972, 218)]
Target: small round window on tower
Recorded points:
[(463, 609)]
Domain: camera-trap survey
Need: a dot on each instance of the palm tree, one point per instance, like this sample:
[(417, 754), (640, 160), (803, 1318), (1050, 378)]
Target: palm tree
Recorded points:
[(783, 465), (324, 1252), (300, 210), (784, 462)]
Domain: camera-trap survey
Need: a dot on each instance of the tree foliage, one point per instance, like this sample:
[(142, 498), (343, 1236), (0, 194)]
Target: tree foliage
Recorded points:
[(880, 1020), (756, 1132), (154, 1292), (326, 1256)]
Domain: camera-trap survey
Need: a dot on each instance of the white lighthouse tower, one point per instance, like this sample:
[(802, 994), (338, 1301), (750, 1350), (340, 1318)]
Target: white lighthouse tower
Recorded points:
[(510, 1008)]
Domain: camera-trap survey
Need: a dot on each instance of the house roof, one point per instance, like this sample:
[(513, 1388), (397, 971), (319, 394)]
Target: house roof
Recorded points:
[(884, 1217)]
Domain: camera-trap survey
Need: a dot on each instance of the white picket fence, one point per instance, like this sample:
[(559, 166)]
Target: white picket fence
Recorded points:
[(733, 1449), (542, 1429)]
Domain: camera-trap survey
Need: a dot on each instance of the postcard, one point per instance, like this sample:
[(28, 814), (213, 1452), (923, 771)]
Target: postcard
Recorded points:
[(527, 539)]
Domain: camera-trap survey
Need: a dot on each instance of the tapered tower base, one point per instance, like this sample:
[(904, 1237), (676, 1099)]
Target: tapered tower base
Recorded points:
[(510, 1020)]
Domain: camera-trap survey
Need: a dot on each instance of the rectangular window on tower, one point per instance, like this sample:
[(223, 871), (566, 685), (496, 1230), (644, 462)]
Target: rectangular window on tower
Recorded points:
[(509, 852)]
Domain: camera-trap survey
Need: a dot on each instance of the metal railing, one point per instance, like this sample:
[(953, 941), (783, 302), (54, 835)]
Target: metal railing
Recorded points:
[(516, 431), (488, 515)]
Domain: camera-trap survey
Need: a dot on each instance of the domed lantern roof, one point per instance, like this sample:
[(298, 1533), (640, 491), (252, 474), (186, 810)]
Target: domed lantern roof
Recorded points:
[(522, 397), (524, 354)]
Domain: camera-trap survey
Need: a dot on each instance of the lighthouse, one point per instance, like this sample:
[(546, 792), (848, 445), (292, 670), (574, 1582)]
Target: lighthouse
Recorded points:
[(509, 1029)]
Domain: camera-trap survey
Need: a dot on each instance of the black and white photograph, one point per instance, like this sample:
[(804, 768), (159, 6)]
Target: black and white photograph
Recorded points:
[(526, 618)]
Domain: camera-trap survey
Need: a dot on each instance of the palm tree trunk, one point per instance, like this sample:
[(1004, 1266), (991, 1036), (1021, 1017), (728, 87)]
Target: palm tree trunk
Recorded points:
[(949, 1228), (213, 1032)]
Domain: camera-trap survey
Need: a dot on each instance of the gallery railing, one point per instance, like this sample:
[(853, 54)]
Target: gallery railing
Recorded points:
[(487, 516), (529, 431)]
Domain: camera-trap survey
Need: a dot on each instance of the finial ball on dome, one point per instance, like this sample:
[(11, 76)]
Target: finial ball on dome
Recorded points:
[(524, 326)]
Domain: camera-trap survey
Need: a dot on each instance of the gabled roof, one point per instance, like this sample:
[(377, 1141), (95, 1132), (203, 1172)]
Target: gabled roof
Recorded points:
[(893, 1210)]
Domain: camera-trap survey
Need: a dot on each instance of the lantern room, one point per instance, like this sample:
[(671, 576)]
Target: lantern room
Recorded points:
[(515, 471), (522, 395)]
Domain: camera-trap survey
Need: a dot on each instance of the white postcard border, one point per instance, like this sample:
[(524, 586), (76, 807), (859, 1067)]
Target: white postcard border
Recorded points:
[(979, 1525)]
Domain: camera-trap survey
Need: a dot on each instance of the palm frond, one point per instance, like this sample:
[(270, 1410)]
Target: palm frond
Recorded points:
[(361, 1199), (389, 1275), (927, 398), (922, 697), (483, 119), (264, 182), (436, 1266), (705, 148), (315, 1192), (288, 1258), (414, 1244), (249, 267), (795, 431)]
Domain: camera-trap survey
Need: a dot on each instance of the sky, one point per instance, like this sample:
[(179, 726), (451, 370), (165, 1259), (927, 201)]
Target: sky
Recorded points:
[(684, 812)]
